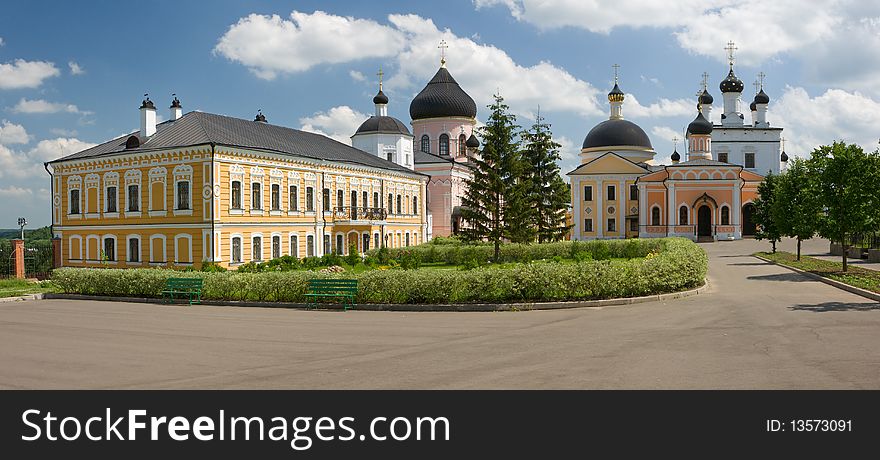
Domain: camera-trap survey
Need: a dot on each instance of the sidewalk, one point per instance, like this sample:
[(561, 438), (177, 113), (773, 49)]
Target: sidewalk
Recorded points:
[(818, 248)]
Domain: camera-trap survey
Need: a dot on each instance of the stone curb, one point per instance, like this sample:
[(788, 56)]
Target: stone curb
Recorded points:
[(20, 298), (846, 287), (413, 307)]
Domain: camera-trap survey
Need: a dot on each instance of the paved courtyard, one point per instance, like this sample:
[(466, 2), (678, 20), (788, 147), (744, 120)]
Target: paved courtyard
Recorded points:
[(758, 326)]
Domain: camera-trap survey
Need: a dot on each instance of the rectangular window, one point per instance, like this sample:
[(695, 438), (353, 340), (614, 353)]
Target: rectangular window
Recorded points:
[(326, 199), (588, 193), (722, 157), (236, 250), (294, 198), (375, 200), (588, 225), (256, 197), (109, 249), (276, 197), (294, 246), (276, 247), (399, 204), (390, 156), (310, 199), (134, 198), (634, 192), (375, 240), (366, 242), (74, 201), (236, 194), (750, 160), (633, 225), (407, 239), (612, 225), (327, 248), (390, 203), (612, 193), (257, 248), (365, 197), (134, 250), (310, 246), (339, 246), (183, 195), (111, 199), (340, 199)]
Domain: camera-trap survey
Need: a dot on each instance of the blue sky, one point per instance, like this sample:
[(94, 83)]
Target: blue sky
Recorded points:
[(73, 73)]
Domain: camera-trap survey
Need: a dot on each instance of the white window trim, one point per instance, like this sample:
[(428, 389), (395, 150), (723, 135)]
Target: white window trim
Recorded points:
[(651, 213), (79, 242), (293, 250), (232, 261), (128, 260), (314, 245), (678, 210), (188, 237), (134, 177), (262, 247), (111, 179), (96, 258), (236, 176), (158, 236), (157, 174), (272, 243), (183, 173), (115, 248)]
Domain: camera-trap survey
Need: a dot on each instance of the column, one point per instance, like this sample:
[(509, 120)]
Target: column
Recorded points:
[(670, 210), (622, 210), (644, 218), (736, 212), (18, 256), (600, 225), (576, 206)]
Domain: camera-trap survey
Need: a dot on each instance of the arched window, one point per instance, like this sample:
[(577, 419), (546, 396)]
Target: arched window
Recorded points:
[(426, 143), (444, 144), (257, 248), (655, 216), (462, 144), (725, 215), (236, 250), (682, 215)]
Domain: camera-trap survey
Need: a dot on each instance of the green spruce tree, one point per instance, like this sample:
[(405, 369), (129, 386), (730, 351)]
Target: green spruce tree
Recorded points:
[(493, 207), (548, 194)]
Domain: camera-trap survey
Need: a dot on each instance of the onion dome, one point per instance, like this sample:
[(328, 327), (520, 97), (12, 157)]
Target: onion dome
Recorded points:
[(762, 97), (700, 125), (147, 104), (784, 157), (442, 97), (706, 98), (753, 106), (260, 117), (380, 98), (617, 132), (175, 103), (731, 84), (382, 124), (616, 95), (472, 142), (675, 156)]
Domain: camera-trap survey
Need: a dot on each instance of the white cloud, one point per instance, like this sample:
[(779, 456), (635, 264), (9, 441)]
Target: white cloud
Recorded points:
[(834, 115), (337, 123), (269, 45), (1, 41), (663, 108), (26, 74), (64, 132), (568, 153), (356, 76), (11, 133), (761, 29), (75, 69), (666, 133), (12, 192), (29, 164), (42, 106)]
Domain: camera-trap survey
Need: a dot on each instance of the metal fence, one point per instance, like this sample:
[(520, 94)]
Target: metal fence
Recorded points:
[(7, 269), (864, 240), (38, 258)]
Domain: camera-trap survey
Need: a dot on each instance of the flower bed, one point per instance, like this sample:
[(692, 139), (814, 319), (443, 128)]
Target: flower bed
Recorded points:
[(665, 265)]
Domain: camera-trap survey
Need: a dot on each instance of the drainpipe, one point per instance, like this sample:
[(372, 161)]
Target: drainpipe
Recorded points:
[(51, 199), (213, 235)]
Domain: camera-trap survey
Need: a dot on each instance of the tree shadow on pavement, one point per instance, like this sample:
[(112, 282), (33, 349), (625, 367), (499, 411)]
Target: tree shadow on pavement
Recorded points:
[(749, 264), (790, 276), (836, 306)]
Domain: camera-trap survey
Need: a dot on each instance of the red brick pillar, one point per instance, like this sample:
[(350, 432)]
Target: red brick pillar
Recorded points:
[(18, 256), (56, 253)]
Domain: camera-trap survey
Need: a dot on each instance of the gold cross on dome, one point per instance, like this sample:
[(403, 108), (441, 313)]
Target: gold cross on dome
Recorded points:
[(761, 76), (380, 74), (705, 80), (616, 69), (731, 49), (756, 85), (675, 140), (443, 47)]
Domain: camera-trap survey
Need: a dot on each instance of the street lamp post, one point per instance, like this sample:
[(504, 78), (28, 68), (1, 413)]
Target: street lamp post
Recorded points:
[(22, 222)]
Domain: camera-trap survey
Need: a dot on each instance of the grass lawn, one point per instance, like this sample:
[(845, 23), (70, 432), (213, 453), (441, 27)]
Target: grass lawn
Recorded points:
[(17, 287), (855, 276)]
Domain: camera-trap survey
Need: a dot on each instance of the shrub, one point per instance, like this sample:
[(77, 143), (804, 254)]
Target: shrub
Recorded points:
[(672, 265), (410, 260), (353, 257), (212, 267), (383, 255)]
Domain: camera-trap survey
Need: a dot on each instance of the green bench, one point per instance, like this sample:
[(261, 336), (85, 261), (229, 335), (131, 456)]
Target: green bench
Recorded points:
[(332, 288), (190, 288)]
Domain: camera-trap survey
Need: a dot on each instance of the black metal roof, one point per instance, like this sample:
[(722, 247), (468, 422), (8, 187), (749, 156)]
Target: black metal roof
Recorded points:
[(383, 124), (200, 128), (380, 98), (472, 142), (731, 84), (700, 125), (617, 132), (442, 97), (762, 97), (706, 98)]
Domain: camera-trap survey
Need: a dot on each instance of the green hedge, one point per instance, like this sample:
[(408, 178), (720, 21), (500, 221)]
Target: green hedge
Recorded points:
[(680, 264), (458, 254)]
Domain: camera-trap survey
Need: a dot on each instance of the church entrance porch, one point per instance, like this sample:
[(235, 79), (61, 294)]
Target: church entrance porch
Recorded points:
[(748, 222), (704, 223)]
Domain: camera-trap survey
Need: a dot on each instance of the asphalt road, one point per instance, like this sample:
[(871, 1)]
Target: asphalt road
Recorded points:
[(758, 326)]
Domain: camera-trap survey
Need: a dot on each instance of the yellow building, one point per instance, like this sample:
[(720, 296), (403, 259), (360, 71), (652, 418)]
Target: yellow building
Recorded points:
[(205, 187)]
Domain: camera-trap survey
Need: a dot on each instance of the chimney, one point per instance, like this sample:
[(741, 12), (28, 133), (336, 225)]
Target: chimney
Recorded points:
[(148, 117), (176, 108)]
